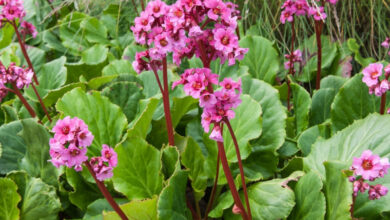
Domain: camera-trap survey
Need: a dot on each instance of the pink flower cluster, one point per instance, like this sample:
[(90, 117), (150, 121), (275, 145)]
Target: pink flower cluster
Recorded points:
[(371, 76), (13, 74), (296, 58), (369, 167), (12, 10), (187, 28), (302, 8), (103, 165), (386, 44), (70, 142), (217, 105)]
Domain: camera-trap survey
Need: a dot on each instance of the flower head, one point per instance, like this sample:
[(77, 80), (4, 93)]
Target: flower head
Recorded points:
[(372, 73), (367, 165), (109, 155)]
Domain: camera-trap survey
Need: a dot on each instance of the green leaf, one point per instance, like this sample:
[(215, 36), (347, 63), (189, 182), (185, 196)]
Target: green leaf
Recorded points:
[(138, 172), (40, 200), (94, 55), (354, 47), (246, 126), (338, 191), (53, 95), (310, 201), (10, 114), (126, 95), (262, 58), (310, 136), (274, 114), (223, 202), (84, 192), (261, 164), (301, 103), (95, 31), (332, 82), (95, 210), (105, 120), (13, 147), (170, 161), (35, 162), (141, 123), (37, 57), (82, 70), (118, 67), (192, 158), (321, 104), (370, 133), (6, 34), (172, 201), (9, 200), (136, 210), (353, 102), (51, 76)]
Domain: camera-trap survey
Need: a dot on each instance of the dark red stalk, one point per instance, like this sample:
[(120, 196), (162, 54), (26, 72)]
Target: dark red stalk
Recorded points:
[(106, 194), (240, 166), (23, 100), (167, 109), (40, 101), (318, 30), (24, 51), (158, 79), (193, 212), (383, 104), (352, 205), (142, 5), (291, 70), (211, 200), (230, 180)]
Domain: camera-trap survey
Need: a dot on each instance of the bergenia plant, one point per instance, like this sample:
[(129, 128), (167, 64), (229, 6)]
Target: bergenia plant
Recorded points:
[(13, 12), (68, 148), (206, 29), (367, 168)]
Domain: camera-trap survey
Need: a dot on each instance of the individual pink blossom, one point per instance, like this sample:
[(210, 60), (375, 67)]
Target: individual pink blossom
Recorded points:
[(236, 210), (377, 191), (28, 28), (197, 83), (207, 100), (83, 136), (216, 134), (318, 13), (381, 88), (301, 7), (386, 43), (3, 92), (231, 85), (225, 40), (109, 155), (287, 15), (216, 8), (143, 22), (387, 71), (367, 165), (163, 43), (74, 156), (372, 73), (104, 173), (156, 8), (360, 185), (64, 130), (385, 166)]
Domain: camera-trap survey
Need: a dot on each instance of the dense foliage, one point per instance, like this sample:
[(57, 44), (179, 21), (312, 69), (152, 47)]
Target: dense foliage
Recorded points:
[(188, 109)]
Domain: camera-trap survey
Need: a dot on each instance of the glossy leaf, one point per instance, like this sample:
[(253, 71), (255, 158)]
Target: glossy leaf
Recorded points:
[(13, 147), (136, 210), (10, 199), (94, 55), (301, 104)]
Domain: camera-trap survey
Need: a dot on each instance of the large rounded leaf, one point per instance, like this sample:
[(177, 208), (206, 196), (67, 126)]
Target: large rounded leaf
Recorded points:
[(13, 147), (262, 58), (246, 125), (40, 200), (136, 210), (138, 172), (9, 200), (353, 102), (105, 120), (370, 133)]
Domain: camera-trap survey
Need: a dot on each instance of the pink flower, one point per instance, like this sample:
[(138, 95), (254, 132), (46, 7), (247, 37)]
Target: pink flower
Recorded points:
[(287, 15), (381, 88), (104, 173), (236, 210), (371, 74), (216, 8), (163, 43), (386, 43), (56, 151), (207, 100), (3, 92), (28, 28), (74, 155), (177, 14), (230, 85), (301, 7), (318, 13), (156, 8), (196, 84), (83, 136), (367, 165), (143, 22), (207, 117), (64, 130), (216, 134), (189, 4), (109, 156), (385, 165), (377, 191), (225, 40)]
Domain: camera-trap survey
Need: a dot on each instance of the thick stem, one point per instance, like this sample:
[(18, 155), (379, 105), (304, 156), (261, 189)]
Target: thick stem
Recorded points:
[(240, 166), (105, 193), (318, 29), (352, 205), (167, 110), (40, 101), (193, 212), (383, 104), (213, 190), (230, 180), (24, 51), (23, 100)]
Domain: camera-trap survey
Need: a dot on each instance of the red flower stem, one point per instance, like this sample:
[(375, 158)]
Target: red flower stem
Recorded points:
[(230, 180), (238, 33), (167, 110), (213, 190), (205, 23), (383, 104), (352, 205), (23, 100), (40, 101), (291, 70), (240, 166), (105, 193), (24, 51), (157, 78), (193, 213), (318, 30), (142, 5)]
